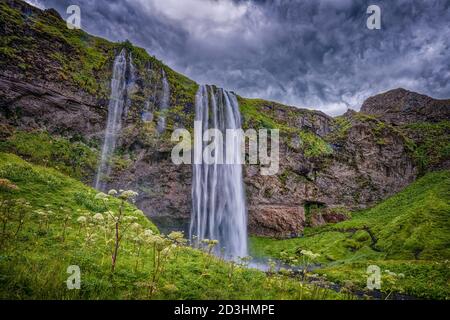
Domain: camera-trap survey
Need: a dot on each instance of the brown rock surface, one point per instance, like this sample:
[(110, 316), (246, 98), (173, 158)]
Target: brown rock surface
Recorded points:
[(277, 221), (401, 106)]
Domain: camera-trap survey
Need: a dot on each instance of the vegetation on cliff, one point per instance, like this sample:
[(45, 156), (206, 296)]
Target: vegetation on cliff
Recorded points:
[(73, 158), (432, 143), (259, 114)]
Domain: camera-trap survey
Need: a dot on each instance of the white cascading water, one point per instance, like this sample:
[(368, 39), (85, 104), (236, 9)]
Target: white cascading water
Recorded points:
[(164, 105), (218, 198), (114, 122)]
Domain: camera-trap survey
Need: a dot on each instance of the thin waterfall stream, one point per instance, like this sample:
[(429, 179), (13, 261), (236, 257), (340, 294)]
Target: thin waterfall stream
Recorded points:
[(164, 105), (114, 122)]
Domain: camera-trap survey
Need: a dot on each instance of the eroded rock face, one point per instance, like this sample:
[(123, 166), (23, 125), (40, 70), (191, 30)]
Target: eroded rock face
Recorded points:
[(45, 106), (367, 165), (278, 221), (401, 106)]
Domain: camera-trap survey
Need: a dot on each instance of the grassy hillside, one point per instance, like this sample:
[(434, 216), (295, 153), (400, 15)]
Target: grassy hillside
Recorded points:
[(42, 234), (73, 158), (407, 233)]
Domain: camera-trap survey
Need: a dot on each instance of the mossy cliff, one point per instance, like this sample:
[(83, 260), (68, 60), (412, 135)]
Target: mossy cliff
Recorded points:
[(54, 89)]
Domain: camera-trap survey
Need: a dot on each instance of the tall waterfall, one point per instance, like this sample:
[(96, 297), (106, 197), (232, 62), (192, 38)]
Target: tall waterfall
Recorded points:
[(114, 122), (218, 199), (164, 105)]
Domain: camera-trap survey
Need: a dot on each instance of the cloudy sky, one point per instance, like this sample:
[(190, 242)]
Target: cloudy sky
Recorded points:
[(312, 53)]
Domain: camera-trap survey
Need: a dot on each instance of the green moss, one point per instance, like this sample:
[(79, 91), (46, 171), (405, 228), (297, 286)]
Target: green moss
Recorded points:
[(253, 117), (432, 143), (10, 17), (314, 146), (340, 129)]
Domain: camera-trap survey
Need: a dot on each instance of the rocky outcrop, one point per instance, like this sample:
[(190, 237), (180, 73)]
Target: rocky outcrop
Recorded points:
[(29, 106), (369, 162), (278, 221), (401, 106)]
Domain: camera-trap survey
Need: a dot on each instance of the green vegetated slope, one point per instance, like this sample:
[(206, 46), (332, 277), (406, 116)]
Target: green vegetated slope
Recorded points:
[(42, 234), (30, 35), (407, 233), (73, 158)]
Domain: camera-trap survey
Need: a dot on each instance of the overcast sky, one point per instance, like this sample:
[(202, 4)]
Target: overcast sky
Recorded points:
[(315, 54)]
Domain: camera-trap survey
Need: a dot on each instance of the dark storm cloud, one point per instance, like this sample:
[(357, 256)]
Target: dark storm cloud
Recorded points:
[(316, 54)]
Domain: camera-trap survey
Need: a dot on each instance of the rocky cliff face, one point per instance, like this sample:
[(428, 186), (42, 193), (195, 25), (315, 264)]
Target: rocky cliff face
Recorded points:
[(327, 165), (401, 107)]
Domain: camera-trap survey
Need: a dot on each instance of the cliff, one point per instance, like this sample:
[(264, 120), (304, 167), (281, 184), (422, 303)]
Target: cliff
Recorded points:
[(54, 89)]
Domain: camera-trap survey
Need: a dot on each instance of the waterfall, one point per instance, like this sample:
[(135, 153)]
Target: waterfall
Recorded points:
[(164, 105), (218, 199), (115, 110)]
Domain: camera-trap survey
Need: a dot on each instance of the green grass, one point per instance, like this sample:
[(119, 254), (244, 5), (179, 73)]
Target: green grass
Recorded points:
[(72, 158), (33, 263), (408, 232)]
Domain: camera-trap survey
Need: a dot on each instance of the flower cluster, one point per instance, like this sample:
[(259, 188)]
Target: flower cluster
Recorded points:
[(309, 254)]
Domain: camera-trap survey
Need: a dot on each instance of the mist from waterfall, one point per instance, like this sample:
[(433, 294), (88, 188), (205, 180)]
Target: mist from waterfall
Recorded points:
[(114, 122), (218, 199), (164, 105)]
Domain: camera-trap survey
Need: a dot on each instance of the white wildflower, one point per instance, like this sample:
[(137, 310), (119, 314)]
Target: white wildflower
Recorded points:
[(98, 217), (112, 192), (100, 196)]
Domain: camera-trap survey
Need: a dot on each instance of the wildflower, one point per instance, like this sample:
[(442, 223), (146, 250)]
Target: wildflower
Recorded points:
[(148, 232), (101, 196), (98, 217), (129, 194), (135, 226), (129, 218), (174, 235), (166, 251), (82, 220), (112, 192), (310, 254), (177, 237)]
